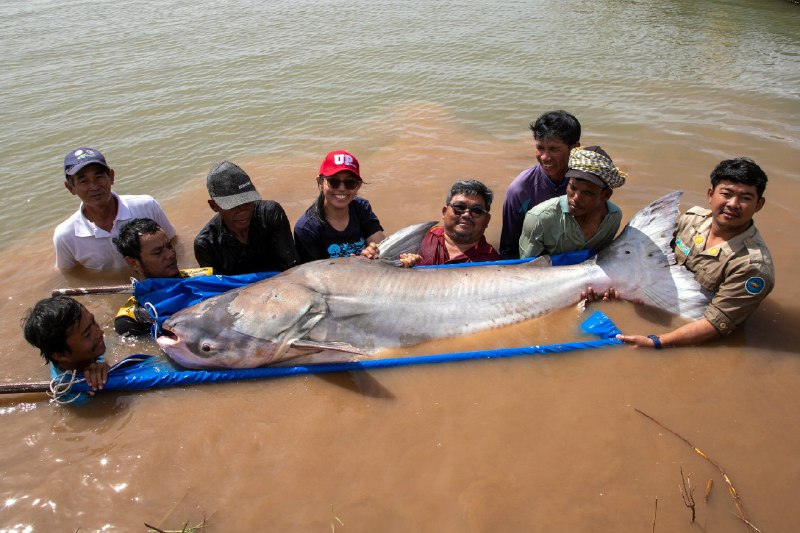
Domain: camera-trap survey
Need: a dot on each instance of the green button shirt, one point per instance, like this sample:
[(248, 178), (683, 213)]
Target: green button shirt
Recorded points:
[(550, 229)]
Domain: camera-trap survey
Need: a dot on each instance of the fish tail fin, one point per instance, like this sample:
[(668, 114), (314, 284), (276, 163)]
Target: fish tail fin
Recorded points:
[(404, 241), (641, 264)]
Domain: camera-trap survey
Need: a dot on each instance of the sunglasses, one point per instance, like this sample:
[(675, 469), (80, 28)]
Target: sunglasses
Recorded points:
[(349, 183), (474, 210)]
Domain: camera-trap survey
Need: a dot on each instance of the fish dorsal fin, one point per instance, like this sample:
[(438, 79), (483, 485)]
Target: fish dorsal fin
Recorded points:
[(403, 241)]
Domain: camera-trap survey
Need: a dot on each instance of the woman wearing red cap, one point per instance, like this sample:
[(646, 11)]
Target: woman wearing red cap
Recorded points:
[(339, 223)]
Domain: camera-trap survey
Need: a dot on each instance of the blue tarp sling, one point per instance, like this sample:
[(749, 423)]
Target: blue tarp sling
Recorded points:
[(157, 372), (168, 296)]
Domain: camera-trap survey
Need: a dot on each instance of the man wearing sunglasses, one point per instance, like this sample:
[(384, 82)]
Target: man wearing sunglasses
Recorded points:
[(247, 234), (582, 219), (460, 238)]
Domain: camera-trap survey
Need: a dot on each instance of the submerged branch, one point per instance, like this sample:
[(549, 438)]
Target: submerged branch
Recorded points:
[(736, 499)]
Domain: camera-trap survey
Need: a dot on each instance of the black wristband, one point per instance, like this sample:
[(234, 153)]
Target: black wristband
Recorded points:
[(656, 341)]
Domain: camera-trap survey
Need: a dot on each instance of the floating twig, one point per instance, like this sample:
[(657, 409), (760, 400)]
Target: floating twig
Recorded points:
[(748, 523), (687, 494), (185, 529), (736, 499), (655, 512), (708, 490)]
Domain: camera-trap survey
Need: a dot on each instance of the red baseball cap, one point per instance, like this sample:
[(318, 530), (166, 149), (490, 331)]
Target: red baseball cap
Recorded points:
[(337, 161)]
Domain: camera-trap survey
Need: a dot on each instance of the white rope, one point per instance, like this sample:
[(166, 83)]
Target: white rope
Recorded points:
[(61, 385)]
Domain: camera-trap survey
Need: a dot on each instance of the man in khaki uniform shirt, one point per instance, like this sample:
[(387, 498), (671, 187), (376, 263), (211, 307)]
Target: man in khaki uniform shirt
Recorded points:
[(723, 248)]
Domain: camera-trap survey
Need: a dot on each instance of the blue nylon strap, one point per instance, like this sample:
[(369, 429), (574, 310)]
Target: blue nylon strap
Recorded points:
[(157, 372)]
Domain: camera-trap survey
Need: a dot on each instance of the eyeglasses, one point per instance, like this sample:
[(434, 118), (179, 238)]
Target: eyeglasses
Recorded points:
[(474, 210), (349, 184)]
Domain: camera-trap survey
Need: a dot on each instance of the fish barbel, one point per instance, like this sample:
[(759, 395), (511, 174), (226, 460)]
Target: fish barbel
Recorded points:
[(356, 306)]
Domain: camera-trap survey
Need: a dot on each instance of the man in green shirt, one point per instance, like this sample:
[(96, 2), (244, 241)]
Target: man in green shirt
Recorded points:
[(584, 218)]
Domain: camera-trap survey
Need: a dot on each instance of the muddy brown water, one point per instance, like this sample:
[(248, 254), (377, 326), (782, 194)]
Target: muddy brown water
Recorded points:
[(528, 444), (423, 93)]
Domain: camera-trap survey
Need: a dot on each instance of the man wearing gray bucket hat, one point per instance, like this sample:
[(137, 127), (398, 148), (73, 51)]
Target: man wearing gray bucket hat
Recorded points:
[(247, 234), (584, 218)]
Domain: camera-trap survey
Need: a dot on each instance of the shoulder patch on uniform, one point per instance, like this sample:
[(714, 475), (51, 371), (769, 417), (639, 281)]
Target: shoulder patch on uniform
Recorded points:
[(754, 285)]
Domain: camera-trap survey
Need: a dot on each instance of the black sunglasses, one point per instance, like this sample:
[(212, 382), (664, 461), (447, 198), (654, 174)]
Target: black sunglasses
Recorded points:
[(460, 209), (349, 184)]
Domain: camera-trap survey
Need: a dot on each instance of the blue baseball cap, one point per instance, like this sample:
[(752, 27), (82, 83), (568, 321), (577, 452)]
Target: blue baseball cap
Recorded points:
[(80, 157)]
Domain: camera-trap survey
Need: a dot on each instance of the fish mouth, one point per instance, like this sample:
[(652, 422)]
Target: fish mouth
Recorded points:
[(167, 339)]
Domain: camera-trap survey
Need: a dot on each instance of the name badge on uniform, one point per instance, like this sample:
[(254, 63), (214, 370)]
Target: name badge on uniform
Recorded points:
[(682, 247)]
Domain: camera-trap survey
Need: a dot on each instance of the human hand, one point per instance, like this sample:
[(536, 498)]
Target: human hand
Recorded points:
[(590, 296), (96, 375), (640, 341), (371, 251), (409, 260)]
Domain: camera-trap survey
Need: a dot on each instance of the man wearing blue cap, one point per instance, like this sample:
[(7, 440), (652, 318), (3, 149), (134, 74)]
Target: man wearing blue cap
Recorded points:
[(85, 238)]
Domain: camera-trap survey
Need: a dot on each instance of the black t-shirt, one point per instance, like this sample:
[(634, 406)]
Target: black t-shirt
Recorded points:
[(316, 239), (269, 247)]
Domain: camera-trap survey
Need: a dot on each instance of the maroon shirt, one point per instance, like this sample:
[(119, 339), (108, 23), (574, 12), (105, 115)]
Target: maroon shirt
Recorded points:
[(434, 251)]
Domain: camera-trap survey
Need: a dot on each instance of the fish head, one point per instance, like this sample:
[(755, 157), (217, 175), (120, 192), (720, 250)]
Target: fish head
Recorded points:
[(244, 328)]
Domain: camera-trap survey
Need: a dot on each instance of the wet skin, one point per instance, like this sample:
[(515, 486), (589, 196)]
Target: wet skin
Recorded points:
[(468, 227), (92, 184), (585, 198), (85, 343), (553, 155), (732, 207), (157, 258)]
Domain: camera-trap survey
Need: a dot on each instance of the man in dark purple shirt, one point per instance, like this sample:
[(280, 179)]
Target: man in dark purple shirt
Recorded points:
[(555, 133)]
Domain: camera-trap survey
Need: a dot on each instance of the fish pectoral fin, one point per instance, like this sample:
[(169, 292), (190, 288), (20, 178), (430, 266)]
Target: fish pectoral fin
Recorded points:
[(307, 344), (542, 261)]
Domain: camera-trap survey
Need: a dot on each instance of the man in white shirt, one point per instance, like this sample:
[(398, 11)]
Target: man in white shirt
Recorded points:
[(85, 237)]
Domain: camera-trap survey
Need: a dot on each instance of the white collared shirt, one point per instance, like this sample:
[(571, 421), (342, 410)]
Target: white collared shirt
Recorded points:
[(78, 241)]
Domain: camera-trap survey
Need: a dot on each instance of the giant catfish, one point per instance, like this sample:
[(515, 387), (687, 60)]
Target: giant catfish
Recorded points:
[(357, 306)]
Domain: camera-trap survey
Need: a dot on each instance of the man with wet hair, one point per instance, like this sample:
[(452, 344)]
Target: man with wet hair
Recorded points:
[(555, 133), (68, 337), (85, 238), (582, 219), (726, 253), (148, 251)]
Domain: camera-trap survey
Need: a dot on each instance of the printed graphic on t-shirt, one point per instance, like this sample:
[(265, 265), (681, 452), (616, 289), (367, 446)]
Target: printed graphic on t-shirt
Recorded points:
[(345, 249)]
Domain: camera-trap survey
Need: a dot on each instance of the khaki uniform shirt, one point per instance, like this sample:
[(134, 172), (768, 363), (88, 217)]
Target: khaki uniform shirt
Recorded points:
[(550, 229), (739, 272)]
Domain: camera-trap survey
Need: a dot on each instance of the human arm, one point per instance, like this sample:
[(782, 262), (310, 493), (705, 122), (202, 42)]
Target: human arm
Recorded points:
[(282, 235), (204, 254), (376, 237), (697, 332), (531, 243)]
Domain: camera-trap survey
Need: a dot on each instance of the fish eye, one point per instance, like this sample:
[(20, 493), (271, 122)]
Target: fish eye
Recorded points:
[(205, 347)]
